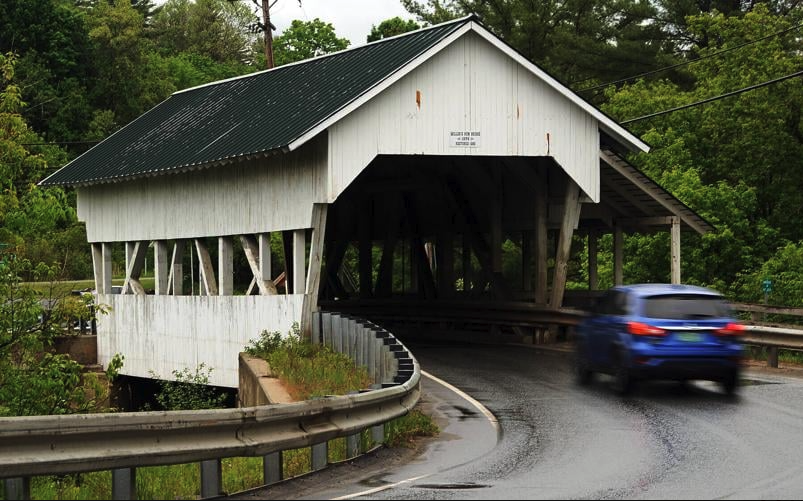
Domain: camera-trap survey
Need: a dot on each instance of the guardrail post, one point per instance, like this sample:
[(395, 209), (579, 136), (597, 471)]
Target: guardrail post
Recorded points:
[(378, 431), (772, 356), (337, 333), (326, 329), (316, 328), (17, 488), (353, 448), (272, 468), (124, 483), (320, 456), (368, 348), (211, 478)]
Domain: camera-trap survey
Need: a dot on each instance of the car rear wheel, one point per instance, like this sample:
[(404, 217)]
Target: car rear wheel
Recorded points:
[(582, 370), (730, 383), (622, 378)]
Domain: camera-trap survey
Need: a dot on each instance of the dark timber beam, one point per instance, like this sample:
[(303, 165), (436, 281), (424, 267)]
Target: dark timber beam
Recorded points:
[(571, 216), (365, 249)]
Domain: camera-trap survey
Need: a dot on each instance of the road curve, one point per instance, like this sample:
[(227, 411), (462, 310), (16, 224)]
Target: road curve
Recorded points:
[(557, 440)]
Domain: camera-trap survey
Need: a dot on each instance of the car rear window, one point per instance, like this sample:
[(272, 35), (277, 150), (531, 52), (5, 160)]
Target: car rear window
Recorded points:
[(685, 307)]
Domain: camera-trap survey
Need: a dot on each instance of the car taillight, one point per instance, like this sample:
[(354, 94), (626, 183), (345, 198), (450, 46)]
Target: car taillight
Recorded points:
[(732, 329), (640, 329)]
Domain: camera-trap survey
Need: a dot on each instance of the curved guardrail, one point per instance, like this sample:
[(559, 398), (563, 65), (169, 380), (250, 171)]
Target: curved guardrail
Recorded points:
[(45, 445)]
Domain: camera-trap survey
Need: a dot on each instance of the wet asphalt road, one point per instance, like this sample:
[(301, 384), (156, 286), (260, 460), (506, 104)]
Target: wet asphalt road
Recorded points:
[(557, 440)]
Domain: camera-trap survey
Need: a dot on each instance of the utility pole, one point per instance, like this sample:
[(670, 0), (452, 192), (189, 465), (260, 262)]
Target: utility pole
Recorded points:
[(267, 27)]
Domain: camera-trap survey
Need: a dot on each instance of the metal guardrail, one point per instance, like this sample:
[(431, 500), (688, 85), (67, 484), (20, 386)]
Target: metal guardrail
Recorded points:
[(121, 442), (517, 313)]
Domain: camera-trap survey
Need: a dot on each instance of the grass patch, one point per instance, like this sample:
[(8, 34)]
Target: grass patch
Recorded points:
[(759, 353), (402, 431), (308, 370), (64, 287)]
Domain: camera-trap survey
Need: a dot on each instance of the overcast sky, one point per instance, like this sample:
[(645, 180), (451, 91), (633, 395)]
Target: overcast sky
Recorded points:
[(352, 19)]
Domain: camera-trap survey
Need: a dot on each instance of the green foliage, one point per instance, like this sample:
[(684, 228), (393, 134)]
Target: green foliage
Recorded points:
[(738, 162), (213, 29), (189, 390), (33, 380), (306, 39), (401, 432), (391, 27), (577, 41), (785, 269), (310, 370)]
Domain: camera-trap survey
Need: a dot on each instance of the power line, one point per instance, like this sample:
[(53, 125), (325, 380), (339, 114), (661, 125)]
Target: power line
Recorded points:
[(715, 98), (713, 54)]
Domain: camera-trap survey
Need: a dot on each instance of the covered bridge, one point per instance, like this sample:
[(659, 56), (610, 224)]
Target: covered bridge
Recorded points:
[(395, 169)]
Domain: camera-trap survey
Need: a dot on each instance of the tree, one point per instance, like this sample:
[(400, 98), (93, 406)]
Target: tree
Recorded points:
[(574, 40), (217, 29), (737, 161), (391, 27), (307, 39), (33, 379), (52, 43), (40, 224)]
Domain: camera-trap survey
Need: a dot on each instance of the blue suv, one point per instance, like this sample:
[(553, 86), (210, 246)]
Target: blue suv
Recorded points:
[(660, 331)]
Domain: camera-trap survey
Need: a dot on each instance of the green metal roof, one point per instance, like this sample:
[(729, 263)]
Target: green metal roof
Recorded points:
[(246, 116)]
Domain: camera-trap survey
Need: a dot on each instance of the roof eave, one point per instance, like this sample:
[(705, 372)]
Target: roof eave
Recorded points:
[(158, 173)]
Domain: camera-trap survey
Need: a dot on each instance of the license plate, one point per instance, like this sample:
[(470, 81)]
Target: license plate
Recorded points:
[(689, 337)]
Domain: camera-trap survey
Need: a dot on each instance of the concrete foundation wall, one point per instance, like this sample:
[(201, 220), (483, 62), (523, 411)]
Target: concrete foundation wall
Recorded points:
[(167, 333)]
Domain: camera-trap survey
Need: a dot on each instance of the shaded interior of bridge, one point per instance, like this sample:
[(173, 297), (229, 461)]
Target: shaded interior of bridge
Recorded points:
[(445, 239)]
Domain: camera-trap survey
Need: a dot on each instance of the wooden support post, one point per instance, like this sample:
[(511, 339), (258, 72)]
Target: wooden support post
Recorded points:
[(365, 250), (618, 260), (334, 259), (129, 253), (265, 270), (593, 267), (177, 269), (541, 278), (571, 216), (527, 246), (208, 283), (102, 263), (496, 221), (299, 261), (466, 263), (161, 271), (287, 248), (444, 255), (255, 254), (319, 213), (675, 252), (225, 266), (384, 280), (136, 261), (426, 280)]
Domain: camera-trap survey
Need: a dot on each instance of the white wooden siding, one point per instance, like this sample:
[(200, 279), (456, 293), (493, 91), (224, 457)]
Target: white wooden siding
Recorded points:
[(270, 194), (469, 86), (167, 333)]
